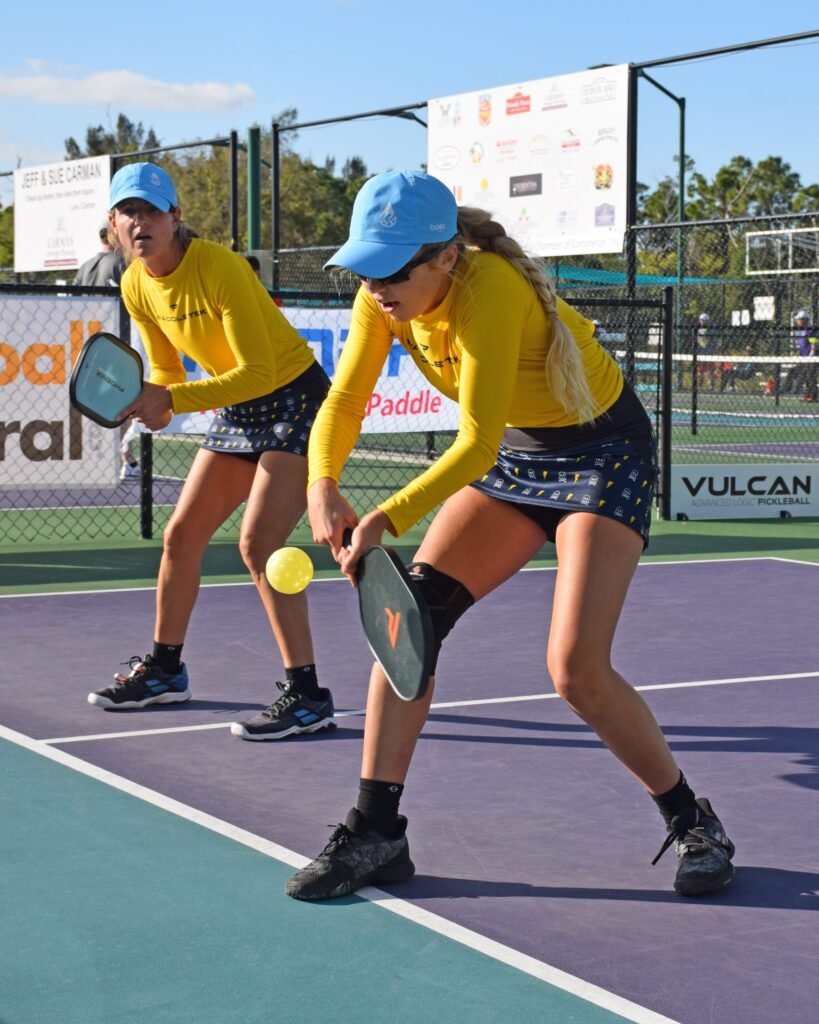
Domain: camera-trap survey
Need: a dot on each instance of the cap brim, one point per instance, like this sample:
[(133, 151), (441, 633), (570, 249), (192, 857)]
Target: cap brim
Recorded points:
[(160, 202), (372, 259)]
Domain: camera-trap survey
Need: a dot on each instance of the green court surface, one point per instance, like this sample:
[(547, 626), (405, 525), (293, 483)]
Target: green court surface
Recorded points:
[(43, 567), (122, 907)]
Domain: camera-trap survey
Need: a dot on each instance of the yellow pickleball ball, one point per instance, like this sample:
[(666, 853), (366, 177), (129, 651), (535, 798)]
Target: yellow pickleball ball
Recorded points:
[(289, 570)]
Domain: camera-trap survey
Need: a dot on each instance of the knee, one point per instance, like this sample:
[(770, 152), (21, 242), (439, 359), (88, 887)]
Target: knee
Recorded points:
[(254, 553), (579, 679)]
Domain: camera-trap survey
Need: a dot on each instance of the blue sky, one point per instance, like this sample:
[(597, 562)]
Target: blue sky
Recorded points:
[(198, 71)]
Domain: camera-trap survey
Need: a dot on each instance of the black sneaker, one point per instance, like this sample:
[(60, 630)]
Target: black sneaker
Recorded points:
[(291, 714), (355, 856), (704, 852), (145, 684)]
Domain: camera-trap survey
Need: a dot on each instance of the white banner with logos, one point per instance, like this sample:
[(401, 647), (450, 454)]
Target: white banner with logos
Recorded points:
[(548, 158), (58, 212), (745, 491), (43, 441)]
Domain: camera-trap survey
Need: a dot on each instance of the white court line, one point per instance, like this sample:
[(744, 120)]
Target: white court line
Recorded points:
[(340, 579), (433, 922), (434, 707)]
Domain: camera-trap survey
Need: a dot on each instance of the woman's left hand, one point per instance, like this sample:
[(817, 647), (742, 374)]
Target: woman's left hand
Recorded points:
[(153, 407), (366, 535)]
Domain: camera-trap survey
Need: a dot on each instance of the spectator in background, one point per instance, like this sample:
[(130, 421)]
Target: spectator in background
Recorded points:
[(255, 265), (103, 270), (732, 373), (707, 372), (806, 344)]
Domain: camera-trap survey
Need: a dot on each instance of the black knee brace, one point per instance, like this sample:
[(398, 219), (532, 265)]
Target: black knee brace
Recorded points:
[(446, 598)]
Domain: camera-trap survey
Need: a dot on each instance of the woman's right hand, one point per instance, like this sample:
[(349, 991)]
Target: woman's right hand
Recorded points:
[(330, 515)]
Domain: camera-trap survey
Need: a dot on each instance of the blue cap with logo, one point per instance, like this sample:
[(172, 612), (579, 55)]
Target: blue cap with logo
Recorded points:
[(143, 181), (394, 214)]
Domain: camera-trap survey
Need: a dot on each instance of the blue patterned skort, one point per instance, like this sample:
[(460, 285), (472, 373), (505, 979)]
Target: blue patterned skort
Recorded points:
[(610, 473), (280, 421)]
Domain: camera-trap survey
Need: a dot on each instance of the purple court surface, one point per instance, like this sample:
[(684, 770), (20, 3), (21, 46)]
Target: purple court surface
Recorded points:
[(523, 827)]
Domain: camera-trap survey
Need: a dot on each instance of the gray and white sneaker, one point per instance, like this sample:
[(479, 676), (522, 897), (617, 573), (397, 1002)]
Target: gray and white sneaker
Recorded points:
[(704, 852), (291, 714), (355, 856)]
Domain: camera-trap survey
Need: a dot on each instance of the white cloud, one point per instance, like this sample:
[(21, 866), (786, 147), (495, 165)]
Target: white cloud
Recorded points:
[(126, 87)]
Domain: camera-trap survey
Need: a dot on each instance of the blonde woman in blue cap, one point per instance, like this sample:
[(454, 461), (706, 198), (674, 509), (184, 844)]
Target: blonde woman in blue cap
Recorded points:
[(551, 445), (193, 297)]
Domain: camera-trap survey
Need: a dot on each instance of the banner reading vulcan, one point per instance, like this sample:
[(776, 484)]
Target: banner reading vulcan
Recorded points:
[(744, 491)]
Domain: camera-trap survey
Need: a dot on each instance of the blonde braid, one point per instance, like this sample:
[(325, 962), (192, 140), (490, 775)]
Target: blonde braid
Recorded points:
[(564, 368)]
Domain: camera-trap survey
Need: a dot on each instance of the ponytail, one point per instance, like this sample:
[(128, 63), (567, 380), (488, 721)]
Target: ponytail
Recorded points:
[(564, 368)]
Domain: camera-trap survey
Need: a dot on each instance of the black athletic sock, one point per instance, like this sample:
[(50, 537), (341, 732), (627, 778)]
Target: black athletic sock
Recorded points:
[(304, 680), (168, 657), (378, 803), (679, 803)]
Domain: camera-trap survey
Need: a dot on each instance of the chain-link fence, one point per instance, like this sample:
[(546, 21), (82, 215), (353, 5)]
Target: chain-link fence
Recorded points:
[(738, 389)]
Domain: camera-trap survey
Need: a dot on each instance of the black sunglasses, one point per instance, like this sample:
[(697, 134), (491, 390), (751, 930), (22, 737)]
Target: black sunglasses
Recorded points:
[(402, 275)]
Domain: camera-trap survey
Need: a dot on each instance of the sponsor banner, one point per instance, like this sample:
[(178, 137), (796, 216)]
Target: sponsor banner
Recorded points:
[(58, 212), (547, 157), (745, 491), (403, 400), (45, 443)]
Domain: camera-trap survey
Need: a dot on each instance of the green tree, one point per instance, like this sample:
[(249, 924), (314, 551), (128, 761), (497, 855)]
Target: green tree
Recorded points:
[(124, 137)]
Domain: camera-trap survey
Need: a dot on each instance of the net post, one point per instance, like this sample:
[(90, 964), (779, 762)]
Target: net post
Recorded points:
[(667, 343)]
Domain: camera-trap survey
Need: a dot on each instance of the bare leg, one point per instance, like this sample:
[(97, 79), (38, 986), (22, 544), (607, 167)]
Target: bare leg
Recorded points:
[(215, 487), (456, 544), (597, 558), (276, 503)]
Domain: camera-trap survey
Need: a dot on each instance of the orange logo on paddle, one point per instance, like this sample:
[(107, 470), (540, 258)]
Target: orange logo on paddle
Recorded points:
[(393, 622)]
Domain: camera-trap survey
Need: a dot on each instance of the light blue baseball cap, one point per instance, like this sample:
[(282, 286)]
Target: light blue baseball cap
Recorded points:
[(394, 214), (143, 181)]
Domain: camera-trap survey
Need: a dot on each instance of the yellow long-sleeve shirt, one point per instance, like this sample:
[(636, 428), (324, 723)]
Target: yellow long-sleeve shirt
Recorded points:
[(214, 309), (485, 347)]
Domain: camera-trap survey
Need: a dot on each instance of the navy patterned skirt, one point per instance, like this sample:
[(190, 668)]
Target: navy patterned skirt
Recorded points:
[(280, 421), (608, 467)]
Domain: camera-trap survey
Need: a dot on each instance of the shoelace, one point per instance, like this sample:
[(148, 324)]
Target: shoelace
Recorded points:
[(340, 837), (137, 665), (698, 838), (287, 698)]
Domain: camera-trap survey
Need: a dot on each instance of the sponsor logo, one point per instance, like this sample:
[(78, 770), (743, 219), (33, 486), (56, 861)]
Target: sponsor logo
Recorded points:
[(447, 157), (555, 99), (506, 149), (606, 135), (388, 218), (449, 113), (604, 215), (526, 185), (485, 110), (476, 152), (761, 489), (518, 104), (603, 176), (570, 142), (601, 90), (565, 181), (539, 144)]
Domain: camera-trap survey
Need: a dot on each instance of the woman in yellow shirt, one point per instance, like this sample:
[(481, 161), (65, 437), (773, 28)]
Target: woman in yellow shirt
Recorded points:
[(196, 298), (551, 444)]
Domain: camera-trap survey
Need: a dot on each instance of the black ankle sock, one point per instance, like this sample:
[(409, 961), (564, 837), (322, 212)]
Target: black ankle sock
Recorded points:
[(677, 802), (378, 803), (304, 680), (168, 657)]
